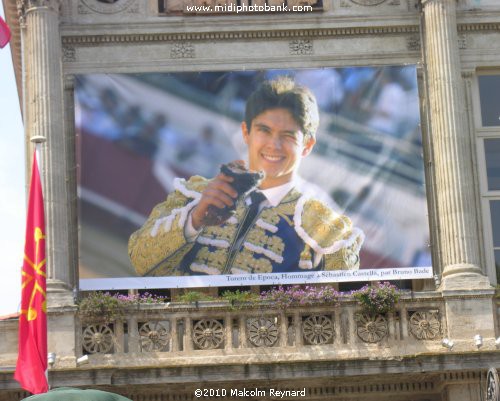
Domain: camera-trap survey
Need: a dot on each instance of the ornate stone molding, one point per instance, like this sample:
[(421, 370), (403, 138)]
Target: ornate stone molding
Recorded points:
[(492, 386), (460, 376), (462, 42), (25, 6), (425, 325), (243, 35), (371, 329), (318, 329), (262, 331), (103, 7), (478, 27), (413, 43), (98, 339), (69, 82), (29, 4), (300, 47), (368, 2), (154, 337), (182, 50), (69, 53), (208, 334)]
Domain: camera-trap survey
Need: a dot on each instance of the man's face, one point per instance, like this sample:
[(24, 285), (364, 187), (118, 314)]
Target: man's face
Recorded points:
[(276, 145)]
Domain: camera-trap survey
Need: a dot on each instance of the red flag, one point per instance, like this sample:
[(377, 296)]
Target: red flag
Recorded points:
[(32, 358), (4, 33)]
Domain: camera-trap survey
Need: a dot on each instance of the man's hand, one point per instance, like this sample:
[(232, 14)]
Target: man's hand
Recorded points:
[(219, 193)]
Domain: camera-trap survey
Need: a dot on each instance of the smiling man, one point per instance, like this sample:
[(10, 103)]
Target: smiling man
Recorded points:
[(278, 227)]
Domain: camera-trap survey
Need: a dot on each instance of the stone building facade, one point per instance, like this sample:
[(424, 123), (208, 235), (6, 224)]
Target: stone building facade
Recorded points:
[(453, 42)]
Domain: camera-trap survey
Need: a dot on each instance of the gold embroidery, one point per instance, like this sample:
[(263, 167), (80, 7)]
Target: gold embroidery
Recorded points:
[(146, 251), (283, 210), (306, 253), (323, 224), (245, 261), (226, 232), (240, 211), (215, 259), (273, 243), (196, 183), (344, 259)]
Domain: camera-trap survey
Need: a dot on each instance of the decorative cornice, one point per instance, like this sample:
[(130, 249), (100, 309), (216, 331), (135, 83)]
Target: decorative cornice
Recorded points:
[(243, 35), (478, 27), (305, 34), (461, 376)]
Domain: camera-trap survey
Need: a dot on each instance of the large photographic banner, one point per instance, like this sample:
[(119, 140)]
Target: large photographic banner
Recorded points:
[(138, 133)]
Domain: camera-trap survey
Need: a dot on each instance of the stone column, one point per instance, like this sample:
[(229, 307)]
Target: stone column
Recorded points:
[(44, 117), (467, 292), (454, 180)]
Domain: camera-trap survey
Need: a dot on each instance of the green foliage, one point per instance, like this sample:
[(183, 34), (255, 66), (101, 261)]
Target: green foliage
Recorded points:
[(102, 306), (379, 298), (237, 298), (194, 296)]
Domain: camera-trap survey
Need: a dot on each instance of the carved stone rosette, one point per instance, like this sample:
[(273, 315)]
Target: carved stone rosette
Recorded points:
[(98, 339), (262, 331), (301, 47), (371, 328), (182, 50), (318, 329), (154, 336), (425, 325), (208, 334)]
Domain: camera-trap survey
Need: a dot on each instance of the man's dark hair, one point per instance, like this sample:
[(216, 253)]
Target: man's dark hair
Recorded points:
[(283, 92)]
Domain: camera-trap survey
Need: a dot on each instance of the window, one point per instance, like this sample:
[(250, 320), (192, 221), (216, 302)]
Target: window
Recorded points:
[(488, 134)]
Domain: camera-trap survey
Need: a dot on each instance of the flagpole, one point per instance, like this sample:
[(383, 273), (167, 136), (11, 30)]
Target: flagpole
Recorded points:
[(37, 140)]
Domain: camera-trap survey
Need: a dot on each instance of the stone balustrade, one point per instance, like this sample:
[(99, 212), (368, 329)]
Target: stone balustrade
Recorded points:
[(261, 331)]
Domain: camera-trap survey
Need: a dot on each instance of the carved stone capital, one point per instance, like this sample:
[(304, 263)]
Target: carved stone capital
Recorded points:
[(69, 82), (27, 6), (34, 4), (423, 3)]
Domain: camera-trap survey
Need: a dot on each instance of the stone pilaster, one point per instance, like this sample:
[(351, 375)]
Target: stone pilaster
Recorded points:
[(71, 184), (44, 117), (454, 182)]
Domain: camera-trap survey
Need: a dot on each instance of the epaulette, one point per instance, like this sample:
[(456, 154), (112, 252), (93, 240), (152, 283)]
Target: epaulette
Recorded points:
[(324, 230), (191, 188)]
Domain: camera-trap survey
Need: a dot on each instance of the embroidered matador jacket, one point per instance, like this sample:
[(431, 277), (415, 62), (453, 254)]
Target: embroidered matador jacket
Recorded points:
[(299, 234)]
